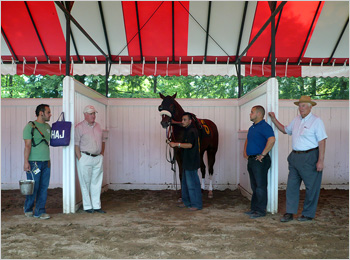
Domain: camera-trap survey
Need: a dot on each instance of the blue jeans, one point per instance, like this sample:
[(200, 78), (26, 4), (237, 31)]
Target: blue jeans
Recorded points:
[(258, 182), (191, 189), (39, 196)]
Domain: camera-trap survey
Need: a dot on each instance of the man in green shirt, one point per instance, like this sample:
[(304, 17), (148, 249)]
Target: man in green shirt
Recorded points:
[(36, 135)]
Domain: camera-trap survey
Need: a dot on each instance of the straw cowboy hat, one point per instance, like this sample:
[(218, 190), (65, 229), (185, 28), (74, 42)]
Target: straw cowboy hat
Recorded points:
[(305, 99)]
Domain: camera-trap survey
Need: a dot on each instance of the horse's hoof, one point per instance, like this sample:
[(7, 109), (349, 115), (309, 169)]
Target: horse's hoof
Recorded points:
[(210, 195)]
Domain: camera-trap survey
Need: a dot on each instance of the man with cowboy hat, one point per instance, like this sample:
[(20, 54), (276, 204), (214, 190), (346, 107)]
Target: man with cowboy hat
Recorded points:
[(306, 161)]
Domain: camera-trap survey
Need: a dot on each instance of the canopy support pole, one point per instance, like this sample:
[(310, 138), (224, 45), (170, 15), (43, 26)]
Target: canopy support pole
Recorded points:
[(173, 29), (240, 88), (278, 22), (336, 45), (8, 44), (68, 41), (107, 76), (207, 33), (273, 46), (138, 29), (242, 27), (309, 32), (279, 8), (36, 30), (67, 13)]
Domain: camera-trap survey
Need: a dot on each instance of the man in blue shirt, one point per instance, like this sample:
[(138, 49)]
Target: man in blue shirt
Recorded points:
[(259, 142)]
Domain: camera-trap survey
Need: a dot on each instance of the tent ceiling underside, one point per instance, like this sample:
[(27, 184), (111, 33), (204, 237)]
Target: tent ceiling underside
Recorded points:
[(175, 38)]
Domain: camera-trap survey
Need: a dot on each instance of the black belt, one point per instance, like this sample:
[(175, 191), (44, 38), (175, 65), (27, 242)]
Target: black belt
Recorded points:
[(93, 155), (305, 151)]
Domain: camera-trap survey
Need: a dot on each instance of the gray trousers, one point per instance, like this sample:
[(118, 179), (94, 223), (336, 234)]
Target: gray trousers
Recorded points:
[(302, 167)]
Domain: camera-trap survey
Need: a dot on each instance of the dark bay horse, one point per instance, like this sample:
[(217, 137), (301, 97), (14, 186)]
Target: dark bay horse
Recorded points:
[(171, 113)]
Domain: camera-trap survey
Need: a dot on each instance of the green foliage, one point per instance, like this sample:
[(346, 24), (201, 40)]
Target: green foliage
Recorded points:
[(186, 87), (317, 88), (31, 86)]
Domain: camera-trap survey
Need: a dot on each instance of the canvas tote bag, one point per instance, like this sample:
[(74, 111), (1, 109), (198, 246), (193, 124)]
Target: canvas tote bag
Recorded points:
[(60, 132)]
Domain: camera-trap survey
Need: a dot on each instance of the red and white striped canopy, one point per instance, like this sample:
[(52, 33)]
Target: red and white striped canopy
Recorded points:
[(175, 38)]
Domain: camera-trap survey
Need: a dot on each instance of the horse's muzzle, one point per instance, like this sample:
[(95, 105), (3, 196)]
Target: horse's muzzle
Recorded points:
[(166, 118), (165, 124)]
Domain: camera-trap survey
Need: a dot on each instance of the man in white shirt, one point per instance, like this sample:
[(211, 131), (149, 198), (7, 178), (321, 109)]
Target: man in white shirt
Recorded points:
[(306, 161), (89, 149)]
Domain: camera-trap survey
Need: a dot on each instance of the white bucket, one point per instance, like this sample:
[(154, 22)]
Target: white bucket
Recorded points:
[(27, 186)]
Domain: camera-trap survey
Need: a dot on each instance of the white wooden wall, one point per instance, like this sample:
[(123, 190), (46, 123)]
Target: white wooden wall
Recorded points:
[(15, 114), (138, 147), (137, 141), (335, 115)]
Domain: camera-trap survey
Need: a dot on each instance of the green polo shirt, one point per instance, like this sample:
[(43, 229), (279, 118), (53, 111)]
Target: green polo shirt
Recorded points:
[(40, 152)]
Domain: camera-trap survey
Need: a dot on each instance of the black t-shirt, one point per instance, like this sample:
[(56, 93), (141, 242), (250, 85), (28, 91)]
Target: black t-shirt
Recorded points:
[(190, 160)]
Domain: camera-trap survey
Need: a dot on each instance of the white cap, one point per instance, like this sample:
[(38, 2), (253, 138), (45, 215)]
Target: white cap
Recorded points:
[(89, 109)]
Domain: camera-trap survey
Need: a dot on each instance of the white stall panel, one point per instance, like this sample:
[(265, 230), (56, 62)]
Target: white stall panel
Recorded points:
[(135, 150), (138, 148), (15, 114)]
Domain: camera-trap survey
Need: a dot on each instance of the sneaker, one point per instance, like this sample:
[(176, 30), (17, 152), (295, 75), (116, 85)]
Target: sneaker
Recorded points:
[(43, 216), (89, 211), (287, 217), (303, 218), (29, 214)]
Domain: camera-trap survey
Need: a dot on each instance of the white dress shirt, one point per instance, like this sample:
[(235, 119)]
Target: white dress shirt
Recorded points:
[(306, 132)]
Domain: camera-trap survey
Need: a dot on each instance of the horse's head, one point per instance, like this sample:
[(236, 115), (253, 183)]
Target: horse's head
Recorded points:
[(167, 109)]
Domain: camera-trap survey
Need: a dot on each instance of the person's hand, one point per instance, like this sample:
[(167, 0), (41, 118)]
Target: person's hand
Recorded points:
[(259, 157), (172, 144), (26, 166), (319, 166), (272, 115), (245, 156)]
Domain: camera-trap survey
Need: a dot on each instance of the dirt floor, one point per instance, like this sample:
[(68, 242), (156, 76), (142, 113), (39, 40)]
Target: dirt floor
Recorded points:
[(147, 224)]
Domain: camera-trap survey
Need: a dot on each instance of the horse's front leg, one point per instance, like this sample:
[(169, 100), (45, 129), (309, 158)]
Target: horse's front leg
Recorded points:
[(211, 160)]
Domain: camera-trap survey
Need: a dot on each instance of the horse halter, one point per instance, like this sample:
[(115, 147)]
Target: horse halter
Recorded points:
[(164, 112)]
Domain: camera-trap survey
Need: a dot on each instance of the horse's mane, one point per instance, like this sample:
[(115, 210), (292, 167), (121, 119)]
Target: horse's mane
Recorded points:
[(196, 121)]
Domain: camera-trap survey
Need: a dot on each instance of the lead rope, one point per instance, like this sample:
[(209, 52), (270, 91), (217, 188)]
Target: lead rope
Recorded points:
[(171, 158)]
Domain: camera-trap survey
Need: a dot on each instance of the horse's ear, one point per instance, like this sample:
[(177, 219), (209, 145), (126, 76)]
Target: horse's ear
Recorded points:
[(161, 95), (174, 96)]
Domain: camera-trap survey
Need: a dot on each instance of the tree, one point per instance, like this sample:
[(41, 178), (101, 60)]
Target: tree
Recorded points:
[(186, 87)]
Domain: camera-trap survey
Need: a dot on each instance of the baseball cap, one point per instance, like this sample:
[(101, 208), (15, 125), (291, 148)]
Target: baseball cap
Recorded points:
[(89, 109)]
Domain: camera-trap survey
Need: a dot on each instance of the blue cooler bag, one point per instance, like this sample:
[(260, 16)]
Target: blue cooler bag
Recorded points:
[(60, 132)]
